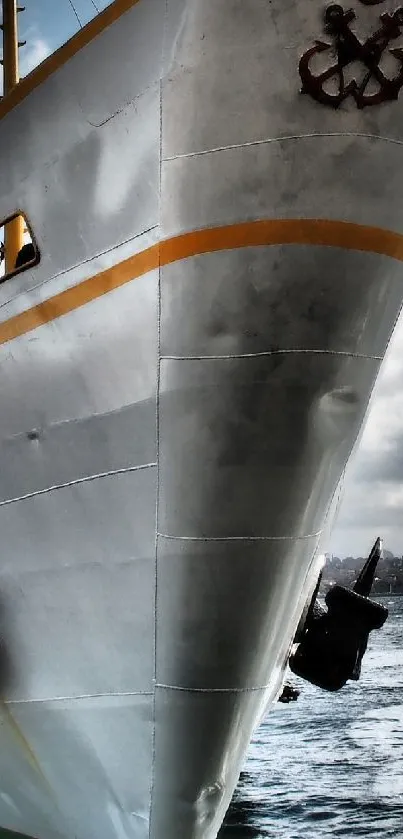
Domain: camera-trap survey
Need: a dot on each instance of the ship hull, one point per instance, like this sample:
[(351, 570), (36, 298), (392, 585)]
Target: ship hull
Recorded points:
[(183, 377)]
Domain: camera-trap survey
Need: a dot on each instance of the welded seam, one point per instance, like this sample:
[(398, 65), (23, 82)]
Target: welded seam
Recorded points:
[(78, 698), (237, 538), (213, 690), (66, 271), (84, 480), (74, 421), (130, 104), (157, 444), (269, 140), (269, 353)]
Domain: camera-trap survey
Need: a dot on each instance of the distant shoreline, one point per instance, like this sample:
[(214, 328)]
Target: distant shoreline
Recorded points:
[(388, 580), (374, 594)]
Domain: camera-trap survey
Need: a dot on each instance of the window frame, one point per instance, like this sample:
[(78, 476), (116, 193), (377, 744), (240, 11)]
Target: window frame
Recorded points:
[(33, 262)]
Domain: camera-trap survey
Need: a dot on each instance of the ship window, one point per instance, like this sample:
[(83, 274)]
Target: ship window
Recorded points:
[(18, 249)]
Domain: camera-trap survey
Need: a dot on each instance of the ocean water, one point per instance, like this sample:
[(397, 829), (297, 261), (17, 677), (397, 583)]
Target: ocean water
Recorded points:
[(330, 765)]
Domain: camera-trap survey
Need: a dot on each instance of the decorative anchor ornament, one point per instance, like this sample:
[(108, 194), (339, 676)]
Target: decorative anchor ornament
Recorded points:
[(348, 49)]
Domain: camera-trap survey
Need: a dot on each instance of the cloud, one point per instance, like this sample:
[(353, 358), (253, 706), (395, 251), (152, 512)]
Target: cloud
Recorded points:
[(35, 51), (385, 464), (373, 497)]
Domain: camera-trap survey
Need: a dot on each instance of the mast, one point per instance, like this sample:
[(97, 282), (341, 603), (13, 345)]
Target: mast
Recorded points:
[(14, 231)]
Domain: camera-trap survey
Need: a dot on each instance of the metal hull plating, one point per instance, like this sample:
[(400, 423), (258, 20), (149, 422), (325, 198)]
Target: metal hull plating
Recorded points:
[(172, 438)]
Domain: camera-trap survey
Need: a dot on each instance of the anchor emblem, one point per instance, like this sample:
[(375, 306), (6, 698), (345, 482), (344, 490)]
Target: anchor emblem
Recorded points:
[(348, 49)]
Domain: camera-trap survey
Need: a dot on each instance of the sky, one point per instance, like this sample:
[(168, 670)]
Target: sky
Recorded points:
[(372, 502), (46, 24), (373, 494)]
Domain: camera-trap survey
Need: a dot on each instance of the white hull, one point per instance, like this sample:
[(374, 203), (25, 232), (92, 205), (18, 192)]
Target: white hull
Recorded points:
[(170, 446)]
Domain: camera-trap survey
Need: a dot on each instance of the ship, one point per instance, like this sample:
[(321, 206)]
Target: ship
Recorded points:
[(209, 197)]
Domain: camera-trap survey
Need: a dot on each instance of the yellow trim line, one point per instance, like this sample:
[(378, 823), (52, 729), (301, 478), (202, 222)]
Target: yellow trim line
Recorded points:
[(49, 66), (317, 232)]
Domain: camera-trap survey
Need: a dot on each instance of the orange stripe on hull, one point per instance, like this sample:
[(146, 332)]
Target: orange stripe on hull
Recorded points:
[(266, 232)]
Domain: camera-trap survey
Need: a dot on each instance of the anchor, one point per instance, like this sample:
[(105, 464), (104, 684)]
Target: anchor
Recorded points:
[(332, 643), (349, 48)]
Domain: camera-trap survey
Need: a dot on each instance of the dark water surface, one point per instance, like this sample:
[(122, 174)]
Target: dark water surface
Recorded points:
[(330, 765)]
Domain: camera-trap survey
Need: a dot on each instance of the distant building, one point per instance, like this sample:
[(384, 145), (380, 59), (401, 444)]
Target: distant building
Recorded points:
[(344, 572)]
